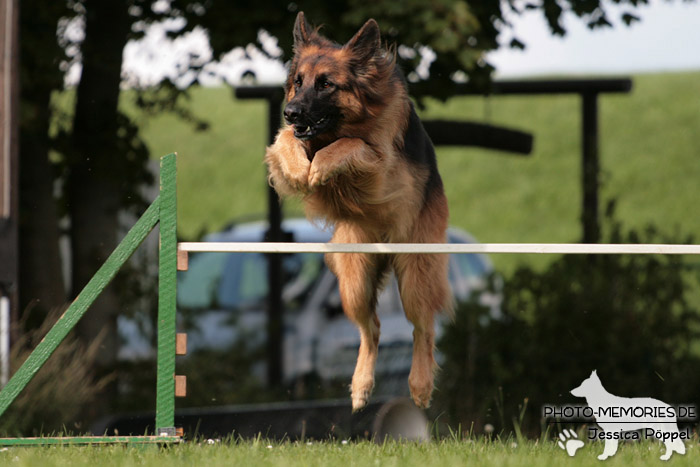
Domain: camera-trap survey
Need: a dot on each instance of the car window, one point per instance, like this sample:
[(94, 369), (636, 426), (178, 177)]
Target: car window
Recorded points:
[(470, 265), (243, 280), (244, 277), (197, 287)]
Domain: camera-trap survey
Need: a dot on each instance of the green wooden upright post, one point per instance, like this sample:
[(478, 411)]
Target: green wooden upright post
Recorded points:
[(167, 276)]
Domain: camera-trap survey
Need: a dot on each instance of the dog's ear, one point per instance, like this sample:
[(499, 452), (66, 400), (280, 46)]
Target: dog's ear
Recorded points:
[(365, 43), (302, 30)]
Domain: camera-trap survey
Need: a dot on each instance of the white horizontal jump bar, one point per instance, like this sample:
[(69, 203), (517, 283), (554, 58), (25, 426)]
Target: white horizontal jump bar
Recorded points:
[(541, 248)]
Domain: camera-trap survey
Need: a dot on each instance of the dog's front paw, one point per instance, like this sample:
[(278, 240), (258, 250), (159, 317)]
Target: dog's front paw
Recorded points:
[(288, 164), (298, 180), (319, 174), (295, 169), (328, 163)]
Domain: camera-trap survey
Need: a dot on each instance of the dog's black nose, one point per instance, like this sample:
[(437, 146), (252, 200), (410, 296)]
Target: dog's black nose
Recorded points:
[(292, 113)]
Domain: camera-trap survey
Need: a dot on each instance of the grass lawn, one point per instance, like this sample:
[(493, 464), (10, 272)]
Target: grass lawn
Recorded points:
[(335, 453), (649, 149)]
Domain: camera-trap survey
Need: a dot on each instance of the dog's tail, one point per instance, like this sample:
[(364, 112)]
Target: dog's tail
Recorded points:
[(448, 308)]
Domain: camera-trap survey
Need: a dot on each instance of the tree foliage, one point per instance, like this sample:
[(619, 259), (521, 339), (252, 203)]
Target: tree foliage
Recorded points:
[(459, 32)]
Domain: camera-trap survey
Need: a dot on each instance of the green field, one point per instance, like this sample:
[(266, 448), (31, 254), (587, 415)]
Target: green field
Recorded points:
[(335, 453), (650, 159)]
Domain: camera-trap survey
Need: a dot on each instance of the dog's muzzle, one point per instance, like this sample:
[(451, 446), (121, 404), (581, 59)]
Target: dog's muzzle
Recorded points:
[(304, 127)]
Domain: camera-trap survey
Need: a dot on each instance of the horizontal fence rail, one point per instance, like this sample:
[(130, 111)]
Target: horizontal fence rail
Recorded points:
[(444, 248)]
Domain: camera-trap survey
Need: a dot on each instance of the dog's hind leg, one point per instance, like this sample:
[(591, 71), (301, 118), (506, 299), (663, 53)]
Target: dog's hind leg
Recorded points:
[(359, 276), (425, 291)]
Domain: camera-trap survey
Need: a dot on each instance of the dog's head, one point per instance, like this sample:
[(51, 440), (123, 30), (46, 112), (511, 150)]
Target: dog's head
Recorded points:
[(330, 85), (589, 386)]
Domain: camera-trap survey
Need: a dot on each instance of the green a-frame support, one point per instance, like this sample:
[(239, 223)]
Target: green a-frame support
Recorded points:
[(162, 211)]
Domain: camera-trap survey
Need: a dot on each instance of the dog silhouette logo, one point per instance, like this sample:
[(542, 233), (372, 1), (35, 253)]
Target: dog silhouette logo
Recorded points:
[(624, 418)]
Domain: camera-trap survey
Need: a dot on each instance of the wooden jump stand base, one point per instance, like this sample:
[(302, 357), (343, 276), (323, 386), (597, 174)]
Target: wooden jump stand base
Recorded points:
[(90, 441), (162, 211)]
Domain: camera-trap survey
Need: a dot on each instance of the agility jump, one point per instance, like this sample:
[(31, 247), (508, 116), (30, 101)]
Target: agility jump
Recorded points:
[(163, 211)]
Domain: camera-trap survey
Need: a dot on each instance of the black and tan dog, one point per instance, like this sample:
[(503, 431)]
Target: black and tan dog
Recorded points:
[(356, 151)]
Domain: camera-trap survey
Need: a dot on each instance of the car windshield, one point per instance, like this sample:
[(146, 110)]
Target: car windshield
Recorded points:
[(470, 265), (239, 280)]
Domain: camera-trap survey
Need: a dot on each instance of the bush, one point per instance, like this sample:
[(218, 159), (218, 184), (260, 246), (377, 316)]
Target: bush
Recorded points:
[(56, 397), (628, 316)]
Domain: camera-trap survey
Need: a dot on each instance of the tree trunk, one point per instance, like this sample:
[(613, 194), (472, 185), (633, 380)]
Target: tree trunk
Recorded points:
[(93, 188), (41, 278)]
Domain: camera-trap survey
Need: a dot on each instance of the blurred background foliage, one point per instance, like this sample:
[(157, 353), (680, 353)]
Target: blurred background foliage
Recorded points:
[(628, 316), (64, 390)]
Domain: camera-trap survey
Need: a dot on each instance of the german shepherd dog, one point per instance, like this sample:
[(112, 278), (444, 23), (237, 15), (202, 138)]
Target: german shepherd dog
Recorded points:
[(356, 151)]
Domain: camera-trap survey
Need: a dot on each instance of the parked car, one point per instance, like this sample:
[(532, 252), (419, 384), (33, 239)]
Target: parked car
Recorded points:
[(222, 297)]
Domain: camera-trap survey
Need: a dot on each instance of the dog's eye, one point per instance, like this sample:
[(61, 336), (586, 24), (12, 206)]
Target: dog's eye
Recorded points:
[(297, 81), (326, 84)]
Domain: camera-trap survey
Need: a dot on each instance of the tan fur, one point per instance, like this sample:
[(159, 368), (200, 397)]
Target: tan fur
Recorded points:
[(355, 178)]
